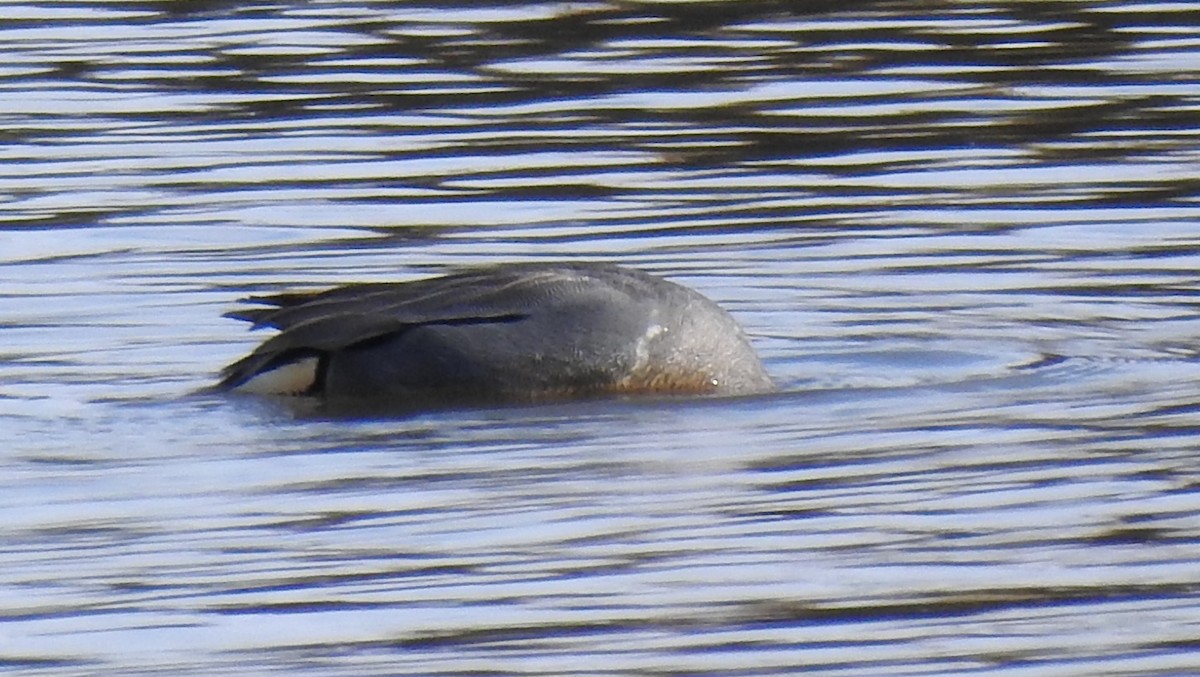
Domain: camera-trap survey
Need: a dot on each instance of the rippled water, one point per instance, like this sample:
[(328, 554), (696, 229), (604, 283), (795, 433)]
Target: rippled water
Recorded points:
[(963, 235)]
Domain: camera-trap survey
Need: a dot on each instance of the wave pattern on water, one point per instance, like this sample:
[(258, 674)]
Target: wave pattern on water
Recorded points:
[(963, 236)]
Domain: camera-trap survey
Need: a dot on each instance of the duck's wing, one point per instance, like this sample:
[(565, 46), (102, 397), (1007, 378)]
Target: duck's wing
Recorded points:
[(319, 323)]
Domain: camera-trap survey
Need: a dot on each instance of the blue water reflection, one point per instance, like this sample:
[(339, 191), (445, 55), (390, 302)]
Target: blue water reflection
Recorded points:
[(963, 238)]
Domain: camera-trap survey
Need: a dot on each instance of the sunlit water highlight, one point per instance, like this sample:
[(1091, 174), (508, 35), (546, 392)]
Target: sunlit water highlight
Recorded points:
[(964, 240)]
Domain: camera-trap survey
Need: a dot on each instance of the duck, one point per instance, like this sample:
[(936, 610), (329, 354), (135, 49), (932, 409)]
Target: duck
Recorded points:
[(514, 332)]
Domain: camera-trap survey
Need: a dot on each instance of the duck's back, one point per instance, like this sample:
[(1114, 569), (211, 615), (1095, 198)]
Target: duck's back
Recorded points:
[(510, 332)]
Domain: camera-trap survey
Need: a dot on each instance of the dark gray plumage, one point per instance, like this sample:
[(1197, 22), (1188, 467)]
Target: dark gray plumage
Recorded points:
[(513, 332)]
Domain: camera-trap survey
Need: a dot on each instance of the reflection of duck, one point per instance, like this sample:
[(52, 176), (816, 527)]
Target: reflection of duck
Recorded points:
[(513, 332)]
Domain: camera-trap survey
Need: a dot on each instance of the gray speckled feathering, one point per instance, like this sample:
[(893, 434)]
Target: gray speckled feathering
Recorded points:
[(513, 332)]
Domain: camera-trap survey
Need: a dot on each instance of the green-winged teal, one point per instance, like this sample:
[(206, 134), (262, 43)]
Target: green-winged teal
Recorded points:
[(512, 332)]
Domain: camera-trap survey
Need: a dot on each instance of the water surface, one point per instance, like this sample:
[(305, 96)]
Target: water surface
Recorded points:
[(963, 238)]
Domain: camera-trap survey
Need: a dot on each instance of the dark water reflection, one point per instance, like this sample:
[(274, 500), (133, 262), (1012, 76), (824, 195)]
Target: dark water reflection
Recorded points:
[(963, 235)]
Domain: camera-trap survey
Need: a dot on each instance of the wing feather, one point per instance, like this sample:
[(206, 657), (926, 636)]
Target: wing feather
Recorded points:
[(326, 321)]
